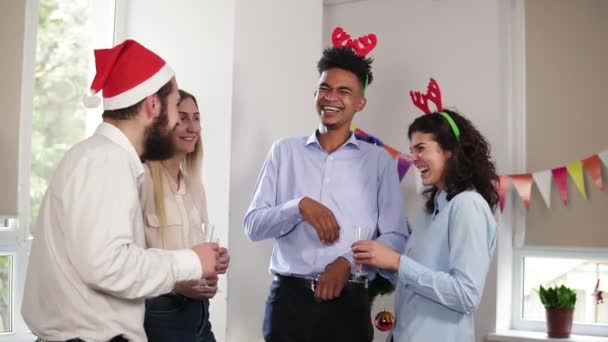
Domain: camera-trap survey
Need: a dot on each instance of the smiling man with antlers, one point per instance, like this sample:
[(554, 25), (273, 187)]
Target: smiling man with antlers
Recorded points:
[(315, 197)]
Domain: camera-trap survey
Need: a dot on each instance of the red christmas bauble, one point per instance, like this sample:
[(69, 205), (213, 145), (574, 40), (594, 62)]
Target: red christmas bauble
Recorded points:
[(384, 320)]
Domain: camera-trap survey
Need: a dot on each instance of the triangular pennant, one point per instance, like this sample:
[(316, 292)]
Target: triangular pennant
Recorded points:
[(403, 164), (592, 165), (394, 153), (560, 175), (604, 157), (373, 140), (523, 185), (360, 134), (576, 173), (543, 183), (502, 186)]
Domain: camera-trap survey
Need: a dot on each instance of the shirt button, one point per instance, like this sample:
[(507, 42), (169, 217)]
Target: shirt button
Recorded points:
[(331, 157), (326, 180)]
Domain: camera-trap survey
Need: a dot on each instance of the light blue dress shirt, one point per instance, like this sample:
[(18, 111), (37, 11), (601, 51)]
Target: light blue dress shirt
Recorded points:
[(443, 271), (358, 182)]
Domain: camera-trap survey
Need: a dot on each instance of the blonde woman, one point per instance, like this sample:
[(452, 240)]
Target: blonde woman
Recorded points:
[(174, 207)]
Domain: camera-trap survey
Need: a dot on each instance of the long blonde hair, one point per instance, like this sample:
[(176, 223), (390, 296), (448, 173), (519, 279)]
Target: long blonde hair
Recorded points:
[(191, 169)]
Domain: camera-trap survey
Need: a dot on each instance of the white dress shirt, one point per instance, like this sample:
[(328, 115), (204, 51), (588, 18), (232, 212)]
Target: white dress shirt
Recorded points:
[(88, 270), (185, 211)]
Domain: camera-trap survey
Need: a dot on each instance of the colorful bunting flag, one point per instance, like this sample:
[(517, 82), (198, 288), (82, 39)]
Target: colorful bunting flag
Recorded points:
[(393, 152), (576, 173), (523, 185), (359, 133), (560, 175), (592, 165), (403, 164), (503, 185), (543, 183), (521, 182)]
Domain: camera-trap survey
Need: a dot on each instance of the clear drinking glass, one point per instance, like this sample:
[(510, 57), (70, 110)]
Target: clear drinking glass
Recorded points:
[(208, 234), (358, 237)]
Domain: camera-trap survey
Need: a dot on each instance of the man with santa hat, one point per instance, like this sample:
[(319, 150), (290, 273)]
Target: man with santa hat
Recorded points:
[(88, 272)]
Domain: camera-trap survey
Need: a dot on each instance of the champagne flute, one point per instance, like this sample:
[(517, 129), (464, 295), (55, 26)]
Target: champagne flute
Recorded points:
[(359, 237)]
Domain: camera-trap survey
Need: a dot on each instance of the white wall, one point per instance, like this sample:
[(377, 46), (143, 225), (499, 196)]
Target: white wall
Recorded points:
[(197, 38), (252, 66), (460, 43), (277, 45)]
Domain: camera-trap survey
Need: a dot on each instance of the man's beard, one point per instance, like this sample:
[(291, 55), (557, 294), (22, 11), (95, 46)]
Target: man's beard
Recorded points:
[(158, 144)]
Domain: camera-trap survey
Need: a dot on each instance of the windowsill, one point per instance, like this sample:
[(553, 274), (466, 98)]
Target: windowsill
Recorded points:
[(533, 336), (12, 337)]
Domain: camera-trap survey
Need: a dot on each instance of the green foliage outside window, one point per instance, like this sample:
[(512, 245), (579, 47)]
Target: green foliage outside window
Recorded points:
[(58, 117), (6, 270)]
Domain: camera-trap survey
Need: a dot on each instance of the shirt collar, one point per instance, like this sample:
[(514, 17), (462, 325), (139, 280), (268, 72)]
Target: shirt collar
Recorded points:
[(117, 136), (441, 199), (352, 140), (181, 190)]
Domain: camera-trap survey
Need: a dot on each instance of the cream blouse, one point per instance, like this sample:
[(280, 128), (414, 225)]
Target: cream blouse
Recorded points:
[(185, 208)]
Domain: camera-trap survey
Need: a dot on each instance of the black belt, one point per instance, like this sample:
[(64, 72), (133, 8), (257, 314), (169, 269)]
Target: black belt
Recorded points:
[(117, 338), (173, 295), (311, 282)]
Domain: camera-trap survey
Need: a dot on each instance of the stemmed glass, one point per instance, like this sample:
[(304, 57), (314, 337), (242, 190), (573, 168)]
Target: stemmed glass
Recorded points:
[(358, 237)]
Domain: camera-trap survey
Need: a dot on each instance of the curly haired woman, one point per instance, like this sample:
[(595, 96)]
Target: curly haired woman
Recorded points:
[(443, 270)]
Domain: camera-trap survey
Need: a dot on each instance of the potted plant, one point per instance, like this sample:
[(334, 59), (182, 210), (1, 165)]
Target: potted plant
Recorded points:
[(559, 303)]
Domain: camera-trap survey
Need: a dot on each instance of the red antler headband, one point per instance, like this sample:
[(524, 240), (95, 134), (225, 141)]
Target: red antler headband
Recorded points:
[(362, 45), (433, 94)]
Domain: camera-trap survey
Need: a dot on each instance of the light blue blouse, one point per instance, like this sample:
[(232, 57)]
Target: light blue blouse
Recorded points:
[(443, 270)]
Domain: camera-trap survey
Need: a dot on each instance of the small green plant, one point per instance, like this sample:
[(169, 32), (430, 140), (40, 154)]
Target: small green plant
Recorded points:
[(557, 297)]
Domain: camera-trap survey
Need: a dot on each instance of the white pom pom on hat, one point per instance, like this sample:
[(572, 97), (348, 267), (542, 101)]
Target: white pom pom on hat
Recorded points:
[(91, 101), (126, 74)]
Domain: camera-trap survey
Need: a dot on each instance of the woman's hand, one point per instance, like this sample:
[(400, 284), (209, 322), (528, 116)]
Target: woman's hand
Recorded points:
[(223, 261), (373, 253), (193, 289)]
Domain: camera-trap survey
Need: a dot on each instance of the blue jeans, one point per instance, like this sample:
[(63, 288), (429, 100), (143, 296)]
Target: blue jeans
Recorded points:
[(175, 318)]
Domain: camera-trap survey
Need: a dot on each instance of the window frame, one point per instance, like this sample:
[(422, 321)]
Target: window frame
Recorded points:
[(512, 220), (16, 239), (518, 322)]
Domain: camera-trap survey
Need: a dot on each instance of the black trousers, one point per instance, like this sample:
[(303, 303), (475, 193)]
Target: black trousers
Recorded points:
[(293, 315)]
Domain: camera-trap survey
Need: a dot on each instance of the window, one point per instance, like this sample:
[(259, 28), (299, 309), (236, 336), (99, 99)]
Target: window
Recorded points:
[(566, 243), (578, 269), (64, 33), (6, 282), (68, 31)]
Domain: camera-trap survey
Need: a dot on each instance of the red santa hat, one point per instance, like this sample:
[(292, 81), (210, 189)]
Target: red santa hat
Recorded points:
[(126, 74)]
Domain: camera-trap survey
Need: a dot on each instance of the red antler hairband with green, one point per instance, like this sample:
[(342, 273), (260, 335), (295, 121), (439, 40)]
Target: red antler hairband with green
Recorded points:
[(362, 45), (433, 94)]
